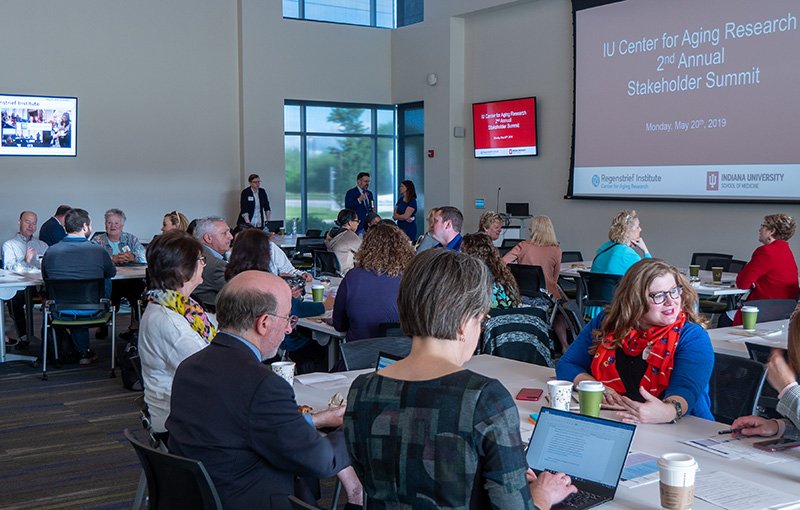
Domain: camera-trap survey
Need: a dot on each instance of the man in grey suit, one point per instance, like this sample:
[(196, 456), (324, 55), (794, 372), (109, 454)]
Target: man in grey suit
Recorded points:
[(215, 236)]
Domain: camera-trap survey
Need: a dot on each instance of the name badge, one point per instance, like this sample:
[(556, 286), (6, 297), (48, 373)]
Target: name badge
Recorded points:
[(251, 199)]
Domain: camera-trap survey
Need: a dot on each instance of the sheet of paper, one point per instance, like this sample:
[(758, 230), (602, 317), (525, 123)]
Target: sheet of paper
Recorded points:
[(733, 493), (640, 469), (732, 448), (318, 377)]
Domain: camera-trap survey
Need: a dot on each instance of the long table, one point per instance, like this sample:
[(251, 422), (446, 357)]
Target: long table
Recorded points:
[(652, 439), (731, 340), (322, 332)]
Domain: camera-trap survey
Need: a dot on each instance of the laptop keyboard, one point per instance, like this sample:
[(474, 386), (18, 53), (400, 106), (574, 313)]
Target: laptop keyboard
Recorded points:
[(581, 499)]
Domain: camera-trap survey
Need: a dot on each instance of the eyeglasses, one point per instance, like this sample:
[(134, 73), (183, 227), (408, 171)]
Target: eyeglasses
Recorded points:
[(673, 293), (291, 319), (202, 259)]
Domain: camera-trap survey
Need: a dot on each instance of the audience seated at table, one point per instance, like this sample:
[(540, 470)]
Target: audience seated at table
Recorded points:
[(541, 250), (424, 432), (52, 230), (252, 251), (491, 224), (406, 209), (782, 374), (367, 295), (772, 270), (215, 236), (505, 291), (174, 220), (22, 253), (647, 348), (343, 240), (124, 248), (446, 227), (174, 326), (426, 241)]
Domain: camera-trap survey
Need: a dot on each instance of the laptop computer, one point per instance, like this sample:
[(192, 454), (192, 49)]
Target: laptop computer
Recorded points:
[(385, 359), (592, 451), (517, 209), (274, 226)]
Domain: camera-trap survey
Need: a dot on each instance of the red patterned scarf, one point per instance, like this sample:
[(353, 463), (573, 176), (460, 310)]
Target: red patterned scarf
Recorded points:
[(657, 345)]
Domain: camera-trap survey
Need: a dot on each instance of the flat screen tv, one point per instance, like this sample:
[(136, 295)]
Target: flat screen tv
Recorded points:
[(38, 125), (505, 128)]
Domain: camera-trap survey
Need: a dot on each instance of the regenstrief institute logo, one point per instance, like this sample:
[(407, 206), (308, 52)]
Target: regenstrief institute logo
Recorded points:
[(712, 181), (595, 180)]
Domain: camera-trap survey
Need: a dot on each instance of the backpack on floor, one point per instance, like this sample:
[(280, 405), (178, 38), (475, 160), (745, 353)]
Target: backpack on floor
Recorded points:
[(130, 366)]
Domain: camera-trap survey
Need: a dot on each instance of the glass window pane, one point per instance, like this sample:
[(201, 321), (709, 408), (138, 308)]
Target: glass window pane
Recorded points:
[(414, 121), (409, 12), (339, 11), (326, 119), (385, 189), (384, 15), (291, 117), (386, 122), (414, 171), (292, 156), (291, 9)]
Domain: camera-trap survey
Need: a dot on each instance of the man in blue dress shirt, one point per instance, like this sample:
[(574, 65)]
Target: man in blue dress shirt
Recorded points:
[(360, 200)]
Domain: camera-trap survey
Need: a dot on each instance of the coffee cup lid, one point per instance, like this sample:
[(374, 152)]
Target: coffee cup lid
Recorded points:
[(678, 460), (559, 383), (591, 386), (317, 286), (749, 308)]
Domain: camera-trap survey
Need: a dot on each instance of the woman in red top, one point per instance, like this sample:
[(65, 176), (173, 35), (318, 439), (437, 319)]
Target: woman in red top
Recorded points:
[(772, 270)]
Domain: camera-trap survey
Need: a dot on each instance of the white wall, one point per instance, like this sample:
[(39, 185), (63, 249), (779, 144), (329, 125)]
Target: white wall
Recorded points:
[(157, 88)]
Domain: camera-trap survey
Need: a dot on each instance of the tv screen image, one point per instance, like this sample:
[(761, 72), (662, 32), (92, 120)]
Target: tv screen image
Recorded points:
[(505, 128), (38, 125)]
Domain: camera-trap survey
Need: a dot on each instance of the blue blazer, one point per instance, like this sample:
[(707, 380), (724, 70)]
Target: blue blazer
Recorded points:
[(241, 420), (52, 232), (361, 208)]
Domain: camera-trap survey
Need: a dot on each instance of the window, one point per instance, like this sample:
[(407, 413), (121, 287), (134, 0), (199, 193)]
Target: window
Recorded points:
[(371, 13), (326, 146)]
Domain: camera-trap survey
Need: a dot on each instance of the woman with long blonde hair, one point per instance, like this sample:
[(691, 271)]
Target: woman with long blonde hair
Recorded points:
[(648, 348), (541, 250)]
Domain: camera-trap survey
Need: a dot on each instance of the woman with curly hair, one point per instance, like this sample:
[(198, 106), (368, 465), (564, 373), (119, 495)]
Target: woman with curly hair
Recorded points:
[(367, 296), (772, 270), (505, 291), (491, 224)]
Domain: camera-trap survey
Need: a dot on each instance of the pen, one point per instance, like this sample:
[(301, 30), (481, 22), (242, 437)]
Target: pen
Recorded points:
[(729, 431)]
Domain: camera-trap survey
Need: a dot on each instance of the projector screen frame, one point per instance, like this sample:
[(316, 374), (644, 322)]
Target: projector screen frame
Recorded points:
[(42, 150), (535, 127)]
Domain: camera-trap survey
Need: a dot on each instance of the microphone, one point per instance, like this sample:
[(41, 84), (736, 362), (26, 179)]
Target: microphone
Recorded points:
[(498, 198)]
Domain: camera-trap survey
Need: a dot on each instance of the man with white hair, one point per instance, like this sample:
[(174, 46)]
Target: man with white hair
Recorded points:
[(215, 236)]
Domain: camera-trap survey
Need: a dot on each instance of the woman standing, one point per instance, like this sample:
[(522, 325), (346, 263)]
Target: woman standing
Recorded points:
[(405, 210), (505, 291), (541, 250), (343, 240), (174, 326), (254, 207)]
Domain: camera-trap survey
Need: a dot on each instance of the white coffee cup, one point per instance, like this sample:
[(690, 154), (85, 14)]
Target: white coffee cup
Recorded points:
[(560, 393), (285, 369), (676, 484)]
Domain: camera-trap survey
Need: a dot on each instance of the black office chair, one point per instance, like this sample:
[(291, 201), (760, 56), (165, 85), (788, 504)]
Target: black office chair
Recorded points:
[(768, 399), (571, 256), (522, 334), (768, 310), (568, 285), (734, 387), (302, 257), (363, 353), (326, 263), (301, 505), (510, 243), (175, 482), (390, 329), (736, 265), (595, 289), (701, 259), (530, 279), (314, 233), (64, 299), (503, 250)]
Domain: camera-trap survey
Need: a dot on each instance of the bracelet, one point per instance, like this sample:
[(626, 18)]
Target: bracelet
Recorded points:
[(678, 409)]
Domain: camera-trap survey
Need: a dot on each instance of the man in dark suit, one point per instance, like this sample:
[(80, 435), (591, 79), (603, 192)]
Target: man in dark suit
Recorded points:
[(254, 209), (360, 200), (215, 236), (52, 230), (240, 419)]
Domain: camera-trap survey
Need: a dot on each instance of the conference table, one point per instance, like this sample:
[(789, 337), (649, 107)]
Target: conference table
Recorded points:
[(784, 475), (731, 340), (321, 330), (12, 282)]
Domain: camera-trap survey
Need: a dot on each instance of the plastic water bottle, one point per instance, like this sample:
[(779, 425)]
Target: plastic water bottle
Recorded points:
[(294, 227)]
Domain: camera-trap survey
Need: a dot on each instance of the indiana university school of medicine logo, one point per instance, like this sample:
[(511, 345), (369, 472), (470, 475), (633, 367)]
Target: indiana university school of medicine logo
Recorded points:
[(712, 181)]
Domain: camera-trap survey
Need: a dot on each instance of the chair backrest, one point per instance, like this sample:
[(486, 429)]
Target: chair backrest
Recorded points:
[(75, 292), (390, 329), (736, 265), (530, 279), (301, 505), (725, 264), (596, 289), (502, 250), (326, 264), (571, 256), (175, 482), (510, 243), (308, 244), (363, 353), (773, 309), (314, 233), (701, 259), (522, 334), (734, 387)]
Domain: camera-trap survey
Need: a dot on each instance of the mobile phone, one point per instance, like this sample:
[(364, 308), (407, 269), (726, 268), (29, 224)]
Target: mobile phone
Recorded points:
[(531, 394), (777, 445)]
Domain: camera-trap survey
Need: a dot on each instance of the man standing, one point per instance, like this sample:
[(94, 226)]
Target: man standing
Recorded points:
[(75, 258), (254, 207), (215, 236), (238, 417), (23, 252), (360, 200), (446, 229), (52, 230)]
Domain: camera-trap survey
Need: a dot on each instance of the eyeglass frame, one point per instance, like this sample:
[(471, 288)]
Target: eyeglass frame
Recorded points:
[(659, 298), (291, 319)]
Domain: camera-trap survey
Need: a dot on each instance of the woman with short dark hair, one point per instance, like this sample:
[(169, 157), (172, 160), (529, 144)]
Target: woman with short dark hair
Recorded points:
[(465, 418), (174, 326), (254, 207), (343, 240)]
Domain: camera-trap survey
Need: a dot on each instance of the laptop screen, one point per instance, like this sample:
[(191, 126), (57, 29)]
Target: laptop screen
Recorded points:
[(584, 447), (385, 359)]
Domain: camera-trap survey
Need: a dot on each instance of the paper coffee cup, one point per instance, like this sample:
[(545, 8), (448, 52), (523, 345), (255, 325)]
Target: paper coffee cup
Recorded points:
[(716, 274), (560, 393), (694, 271), (590, 396), (317, 293), (285, 369), (749, 317), (676, 480)]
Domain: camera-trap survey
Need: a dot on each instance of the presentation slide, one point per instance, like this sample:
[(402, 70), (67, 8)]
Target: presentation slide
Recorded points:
[(38, 125), (687, 99), (505, 128)]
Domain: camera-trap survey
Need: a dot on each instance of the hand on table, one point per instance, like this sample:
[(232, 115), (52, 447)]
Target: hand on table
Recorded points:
[(754, 426), (330, 418), (307, 277), (547, 489), (779, 373), (125, 257), (297, 292), (652, 410), (611, 397)]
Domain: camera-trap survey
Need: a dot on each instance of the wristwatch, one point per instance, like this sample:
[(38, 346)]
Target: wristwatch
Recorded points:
[(678, 409)]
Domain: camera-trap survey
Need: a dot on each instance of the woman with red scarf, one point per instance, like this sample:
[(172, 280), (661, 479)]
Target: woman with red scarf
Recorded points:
[(647, 348)]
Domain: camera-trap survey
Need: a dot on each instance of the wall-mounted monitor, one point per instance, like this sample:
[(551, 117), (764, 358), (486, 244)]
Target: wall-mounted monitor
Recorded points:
[(505, 128), (38, 125)]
